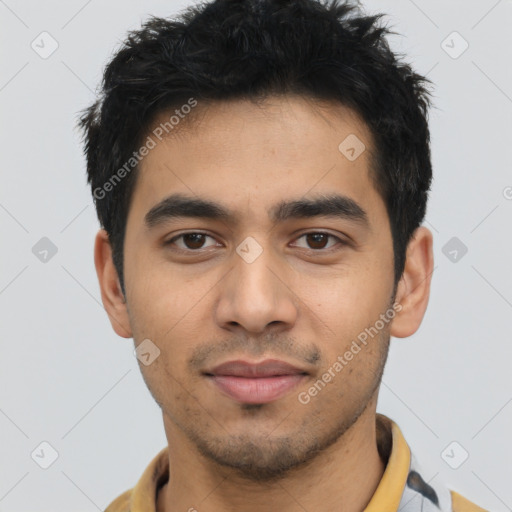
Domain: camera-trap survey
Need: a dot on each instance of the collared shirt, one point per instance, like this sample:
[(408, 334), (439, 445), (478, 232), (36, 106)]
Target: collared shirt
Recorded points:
[(401, 489)]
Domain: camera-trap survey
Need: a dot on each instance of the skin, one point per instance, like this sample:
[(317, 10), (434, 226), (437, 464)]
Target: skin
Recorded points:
[(302, 300)]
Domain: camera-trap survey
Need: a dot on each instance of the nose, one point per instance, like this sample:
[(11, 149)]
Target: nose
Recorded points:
[(256, 295)]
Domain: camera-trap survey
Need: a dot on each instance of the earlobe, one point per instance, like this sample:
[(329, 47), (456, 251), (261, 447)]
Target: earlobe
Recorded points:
[(111, 293), (413, 289)]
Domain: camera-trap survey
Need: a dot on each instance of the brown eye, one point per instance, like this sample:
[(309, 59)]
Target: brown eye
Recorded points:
[(189, 241), (318, 240), (194, 240)]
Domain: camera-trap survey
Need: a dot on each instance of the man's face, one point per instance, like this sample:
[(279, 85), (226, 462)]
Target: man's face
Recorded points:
[(264, 284)]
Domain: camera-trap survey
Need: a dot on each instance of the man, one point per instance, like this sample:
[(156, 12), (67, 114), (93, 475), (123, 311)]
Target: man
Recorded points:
[(260, 171)]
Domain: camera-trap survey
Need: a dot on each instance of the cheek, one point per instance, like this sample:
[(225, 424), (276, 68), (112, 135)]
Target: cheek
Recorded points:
[(350, 301), (160, 300), (347, 391), (172, 311)]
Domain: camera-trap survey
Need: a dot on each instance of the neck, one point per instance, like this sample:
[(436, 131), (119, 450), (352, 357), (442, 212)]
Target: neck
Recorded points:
[(325, 484)]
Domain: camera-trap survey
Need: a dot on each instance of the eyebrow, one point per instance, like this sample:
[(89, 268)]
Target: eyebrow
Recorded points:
[(179, 206)]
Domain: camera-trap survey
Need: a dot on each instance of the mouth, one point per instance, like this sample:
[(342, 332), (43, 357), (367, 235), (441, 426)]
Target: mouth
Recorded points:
[(256, 383)]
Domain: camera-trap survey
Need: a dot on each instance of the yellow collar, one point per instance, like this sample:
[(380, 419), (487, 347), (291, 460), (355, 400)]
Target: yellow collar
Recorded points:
[(389, 492)]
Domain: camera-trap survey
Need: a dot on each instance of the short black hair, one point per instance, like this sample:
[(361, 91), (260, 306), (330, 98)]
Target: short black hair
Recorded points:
[(249, 49)]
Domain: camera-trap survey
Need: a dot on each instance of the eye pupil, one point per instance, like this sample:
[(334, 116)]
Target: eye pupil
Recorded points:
[(317, 237), (197, 240)]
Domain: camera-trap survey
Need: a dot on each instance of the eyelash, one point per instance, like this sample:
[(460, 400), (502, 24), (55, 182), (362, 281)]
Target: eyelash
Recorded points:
[(328, 250)]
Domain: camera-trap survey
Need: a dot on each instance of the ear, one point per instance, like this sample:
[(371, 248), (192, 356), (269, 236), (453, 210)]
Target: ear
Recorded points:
[(413, 289), (111, 293)]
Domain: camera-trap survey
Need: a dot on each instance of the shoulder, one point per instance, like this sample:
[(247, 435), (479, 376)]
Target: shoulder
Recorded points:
[(121, 503), (461, 504)]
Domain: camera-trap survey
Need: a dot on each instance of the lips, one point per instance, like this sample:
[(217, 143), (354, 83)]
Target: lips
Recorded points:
[(267, 368), (258, 383)]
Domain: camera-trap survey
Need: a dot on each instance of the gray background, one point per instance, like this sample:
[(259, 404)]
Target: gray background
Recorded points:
[(67, 379)]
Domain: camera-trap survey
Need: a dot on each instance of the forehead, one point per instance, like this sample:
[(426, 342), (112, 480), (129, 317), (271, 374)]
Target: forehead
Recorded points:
[(250, 156)]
